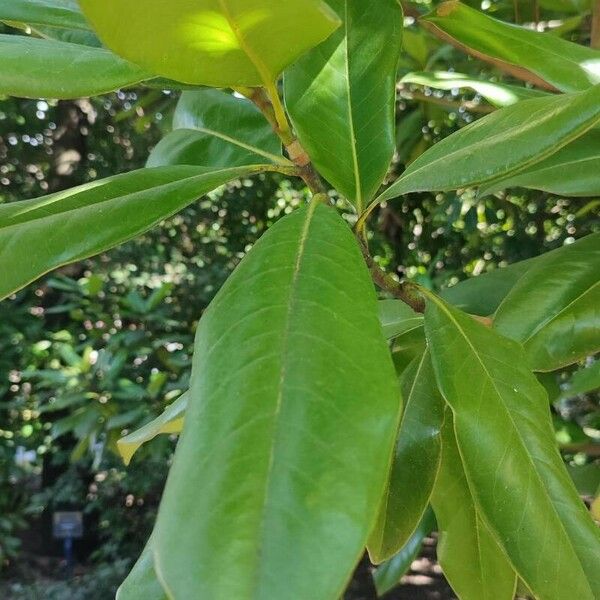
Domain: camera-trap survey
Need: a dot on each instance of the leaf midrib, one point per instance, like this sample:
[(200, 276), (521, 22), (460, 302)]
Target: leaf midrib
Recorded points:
[(279, 400)]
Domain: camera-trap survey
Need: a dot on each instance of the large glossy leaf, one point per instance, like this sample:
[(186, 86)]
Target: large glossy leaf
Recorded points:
[(397, 318), (514, 471), (415, 464), (472, 560), (389, 574), (142, 583), (501, 144), (54, 13), (214, 128), (554, 310), (37, 68), (572, 171), (68, 226), (221, 43), (293, 412), (543, 59), (169, 421), (341, 97), (498, 94)]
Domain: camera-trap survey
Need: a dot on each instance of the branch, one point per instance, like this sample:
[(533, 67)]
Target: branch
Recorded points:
[(595, 36), (402, 290), (268, 102)]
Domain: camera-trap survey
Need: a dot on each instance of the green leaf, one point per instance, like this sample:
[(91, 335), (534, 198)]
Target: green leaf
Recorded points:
[(554, 309), (341, 98), (415, 464), (482, 295), (142, 583), (388, 575), (36, 68), (220, 43), (501, 144), (294, 407), (514, 471), (583, 381), (69, 226), (572, 171), (474, 564), (397, 318), (214, 128), (169, 421), (545, 60), (55, 13), (498, 94)]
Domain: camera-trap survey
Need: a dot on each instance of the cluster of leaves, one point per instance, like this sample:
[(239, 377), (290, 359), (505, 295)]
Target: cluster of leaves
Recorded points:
[(293, 409)]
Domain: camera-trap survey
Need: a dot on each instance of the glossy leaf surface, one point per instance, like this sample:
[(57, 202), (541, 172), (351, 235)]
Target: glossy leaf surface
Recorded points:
[(213, 128), (142, 583), (37, 68), (415, 464), (543, 59), (572, 171), (474, 564), (389, 574), (293, 412), (54, 13), (397, 318), (500, 144), (221, 43), (95, 217), (514, 471), (498, 94), (554, 310), (169, 421), (341, 98)]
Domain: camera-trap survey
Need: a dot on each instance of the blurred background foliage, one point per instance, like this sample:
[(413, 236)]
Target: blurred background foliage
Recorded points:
[(99, 348)]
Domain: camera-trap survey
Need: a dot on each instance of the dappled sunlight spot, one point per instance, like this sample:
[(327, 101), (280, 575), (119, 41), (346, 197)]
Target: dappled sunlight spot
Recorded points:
[(212, 32), (593, 68)]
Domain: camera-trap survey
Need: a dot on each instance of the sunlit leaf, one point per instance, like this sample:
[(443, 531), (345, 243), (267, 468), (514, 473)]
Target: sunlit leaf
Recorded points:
[(221, 43)]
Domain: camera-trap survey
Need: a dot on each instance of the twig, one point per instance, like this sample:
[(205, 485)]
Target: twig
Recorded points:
[(269, 103), (403, 290)]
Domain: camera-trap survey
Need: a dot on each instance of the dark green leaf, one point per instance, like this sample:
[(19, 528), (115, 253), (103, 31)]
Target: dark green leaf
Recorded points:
[(68, 226), (218, 43), (471, 558), (415, 464), (293, 412), (515, 474), (169, 421), (55, 13), (501, 144), (36, 68), (554, 309), (540, 58), (213, 128), (388, 575), (341, 98)]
